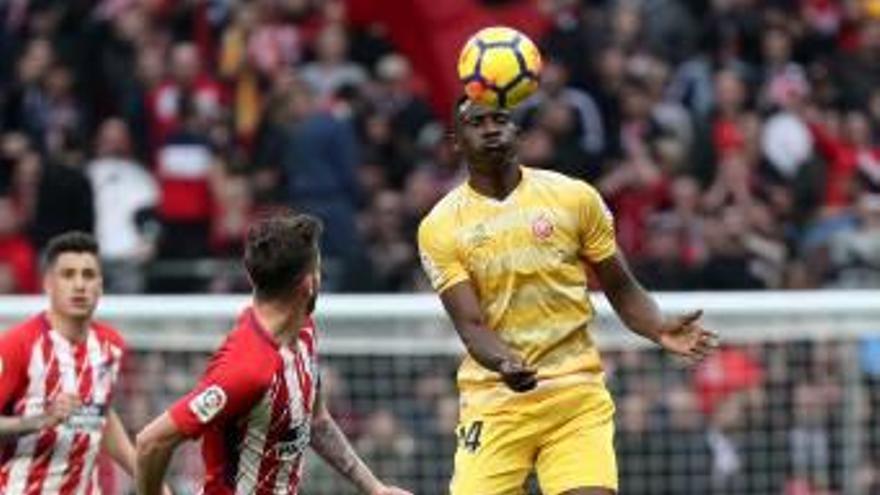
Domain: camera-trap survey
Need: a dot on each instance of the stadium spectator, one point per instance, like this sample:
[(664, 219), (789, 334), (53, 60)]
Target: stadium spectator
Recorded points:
[(24, 100), (54, 196), (397, 93), (318, 157), (687, 462), (387, 447), (332, 70), (639, 448), (255, 46), (590, 133), (126, 195), (854, 253), (662, 267), (809, 439), (186, 166), (187, 80), (436, 447), (392, 259), (18, 261)]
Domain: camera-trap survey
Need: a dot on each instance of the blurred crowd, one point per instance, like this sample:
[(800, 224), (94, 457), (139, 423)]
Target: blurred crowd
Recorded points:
[(784, 418), (735, 140)]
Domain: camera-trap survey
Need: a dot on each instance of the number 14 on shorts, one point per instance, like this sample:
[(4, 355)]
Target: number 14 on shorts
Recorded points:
[(469, 436)]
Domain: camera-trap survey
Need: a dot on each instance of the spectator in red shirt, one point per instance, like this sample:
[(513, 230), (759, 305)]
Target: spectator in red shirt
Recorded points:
[(847, 154), (163, 102), (18, 261), (186, 165)]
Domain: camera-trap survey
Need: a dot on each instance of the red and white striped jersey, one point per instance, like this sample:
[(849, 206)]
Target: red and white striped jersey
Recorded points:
[(36, 364), (253, 406)]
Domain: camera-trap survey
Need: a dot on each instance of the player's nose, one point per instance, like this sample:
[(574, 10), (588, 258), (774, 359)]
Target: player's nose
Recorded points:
[(491, 131)]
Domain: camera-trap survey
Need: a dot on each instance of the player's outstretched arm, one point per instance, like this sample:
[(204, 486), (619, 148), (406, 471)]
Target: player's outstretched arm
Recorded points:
[(155, 445), (680, 335), (483, 344), (330, 443)]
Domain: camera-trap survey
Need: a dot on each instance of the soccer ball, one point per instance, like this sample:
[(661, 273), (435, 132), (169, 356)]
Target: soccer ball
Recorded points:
[(499, 67)]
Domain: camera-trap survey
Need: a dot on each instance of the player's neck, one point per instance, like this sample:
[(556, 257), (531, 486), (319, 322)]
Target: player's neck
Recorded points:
[(72, 329), (282, 321), (495, 182)]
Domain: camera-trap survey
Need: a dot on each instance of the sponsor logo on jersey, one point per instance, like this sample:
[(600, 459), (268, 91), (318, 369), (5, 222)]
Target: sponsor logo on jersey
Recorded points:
[(88, 417), (207, 404), (477, 236), (293, 442)]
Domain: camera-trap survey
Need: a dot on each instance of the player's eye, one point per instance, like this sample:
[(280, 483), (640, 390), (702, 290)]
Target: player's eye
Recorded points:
[(501, 118)]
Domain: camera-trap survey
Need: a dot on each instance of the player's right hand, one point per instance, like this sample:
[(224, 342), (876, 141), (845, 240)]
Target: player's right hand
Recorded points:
[(61, 408), (518, 376)]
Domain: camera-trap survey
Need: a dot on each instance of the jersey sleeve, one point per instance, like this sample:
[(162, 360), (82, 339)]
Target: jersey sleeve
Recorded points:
[(598, 241), (225, 391), (13, 366), (439, 257)]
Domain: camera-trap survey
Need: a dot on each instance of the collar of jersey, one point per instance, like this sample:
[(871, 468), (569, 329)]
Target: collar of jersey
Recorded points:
[(46, 328), (251, 318), (507, 199)]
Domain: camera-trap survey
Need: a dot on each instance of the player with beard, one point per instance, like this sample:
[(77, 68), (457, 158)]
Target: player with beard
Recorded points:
[(508, 252), (258, 405)]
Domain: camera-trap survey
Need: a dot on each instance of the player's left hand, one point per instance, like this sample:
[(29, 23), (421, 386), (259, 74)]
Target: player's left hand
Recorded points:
[(685, 337), (390, 490)]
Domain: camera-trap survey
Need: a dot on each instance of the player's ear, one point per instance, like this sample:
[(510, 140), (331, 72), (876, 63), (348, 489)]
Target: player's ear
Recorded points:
[(47, 281), (308, 285)]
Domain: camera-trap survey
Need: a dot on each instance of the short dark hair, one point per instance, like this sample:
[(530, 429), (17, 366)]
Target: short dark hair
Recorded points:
[(461, 105), (279, 250), (458, 106), (74, 241)]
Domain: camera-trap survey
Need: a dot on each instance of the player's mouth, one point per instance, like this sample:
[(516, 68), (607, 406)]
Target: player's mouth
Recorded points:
[(494, 145), (79, 301)]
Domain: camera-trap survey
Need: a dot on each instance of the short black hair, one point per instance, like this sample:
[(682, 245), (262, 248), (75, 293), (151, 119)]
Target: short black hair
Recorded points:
[(280, 249), (74, 241), (462, 104), (457, 107)]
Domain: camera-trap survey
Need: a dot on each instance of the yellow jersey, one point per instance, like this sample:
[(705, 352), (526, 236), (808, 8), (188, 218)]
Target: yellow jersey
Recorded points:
[(525, 256)]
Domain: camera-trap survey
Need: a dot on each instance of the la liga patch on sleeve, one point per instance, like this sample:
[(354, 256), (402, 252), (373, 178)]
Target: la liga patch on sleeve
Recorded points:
[(208, 404)]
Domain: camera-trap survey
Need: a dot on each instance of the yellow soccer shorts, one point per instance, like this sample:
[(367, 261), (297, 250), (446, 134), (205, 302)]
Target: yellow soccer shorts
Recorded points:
[(565, 434)]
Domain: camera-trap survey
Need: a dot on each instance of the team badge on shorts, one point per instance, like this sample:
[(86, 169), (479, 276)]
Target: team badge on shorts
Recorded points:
[(207, 404), (542, 227)]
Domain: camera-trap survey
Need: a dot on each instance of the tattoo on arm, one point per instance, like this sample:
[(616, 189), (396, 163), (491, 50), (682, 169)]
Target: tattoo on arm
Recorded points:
[(330, 443)]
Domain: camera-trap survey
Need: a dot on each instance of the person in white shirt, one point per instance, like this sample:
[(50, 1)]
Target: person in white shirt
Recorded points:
[(125, 195)]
